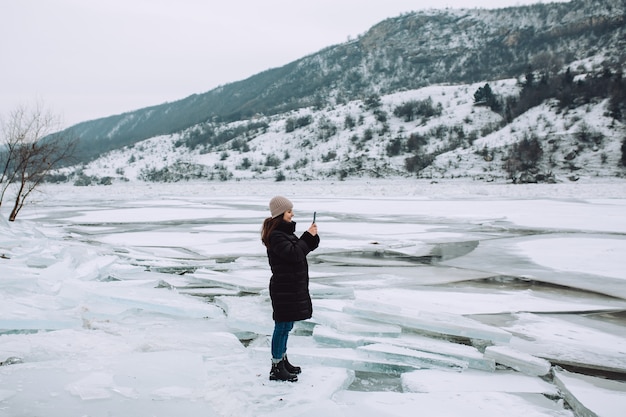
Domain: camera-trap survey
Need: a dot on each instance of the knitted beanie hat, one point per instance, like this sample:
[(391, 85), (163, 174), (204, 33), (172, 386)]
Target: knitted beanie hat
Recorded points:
[(279, 205)]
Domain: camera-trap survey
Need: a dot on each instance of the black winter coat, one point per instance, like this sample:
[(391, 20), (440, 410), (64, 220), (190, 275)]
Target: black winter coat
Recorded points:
[(289, 285)]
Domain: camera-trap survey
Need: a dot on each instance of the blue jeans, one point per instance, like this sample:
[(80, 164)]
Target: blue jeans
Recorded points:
[(279, 338)]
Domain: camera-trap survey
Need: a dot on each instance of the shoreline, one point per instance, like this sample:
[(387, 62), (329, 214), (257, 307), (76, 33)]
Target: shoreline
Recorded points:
[(613, 188)]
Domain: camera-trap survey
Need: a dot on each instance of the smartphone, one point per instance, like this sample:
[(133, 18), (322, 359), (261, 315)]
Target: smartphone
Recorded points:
[(314, 216)]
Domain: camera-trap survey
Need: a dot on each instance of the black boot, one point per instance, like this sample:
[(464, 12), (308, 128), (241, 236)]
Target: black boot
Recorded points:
[(279, 373), (290, 368)]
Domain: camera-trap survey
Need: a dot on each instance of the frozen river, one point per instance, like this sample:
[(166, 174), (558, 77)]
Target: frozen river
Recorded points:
[(452, 299)]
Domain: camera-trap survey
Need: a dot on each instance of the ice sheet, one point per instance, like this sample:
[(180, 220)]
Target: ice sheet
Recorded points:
[(557, 258), (520, 361), (156, 300), (598, 256), (344, 323), (129, 342), (566, 342), (438, 323), (469, 354), (416, 358), (327, 336), (477, 302), (250, 314), (231, 281), (548, 214), (452, 404), (590, 396), (435, 380)]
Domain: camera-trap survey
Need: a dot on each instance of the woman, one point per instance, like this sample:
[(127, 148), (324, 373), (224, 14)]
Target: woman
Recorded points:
[(289, 285)]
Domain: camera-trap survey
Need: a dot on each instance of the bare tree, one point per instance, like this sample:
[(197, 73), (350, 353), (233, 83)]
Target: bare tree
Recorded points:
[(547, 63), (12, 136), (30, 150)]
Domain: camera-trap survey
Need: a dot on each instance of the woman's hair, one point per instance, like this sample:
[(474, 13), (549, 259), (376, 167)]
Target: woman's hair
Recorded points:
[(268, 227)]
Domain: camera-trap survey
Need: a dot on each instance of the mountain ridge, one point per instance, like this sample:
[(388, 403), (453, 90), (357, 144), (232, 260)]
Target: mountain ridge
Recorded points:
[(401, 53)]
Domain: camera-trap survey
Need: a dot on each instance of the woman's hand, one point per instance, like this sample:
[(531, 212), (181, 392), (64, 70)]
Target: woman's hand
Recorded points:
[(313, 229)]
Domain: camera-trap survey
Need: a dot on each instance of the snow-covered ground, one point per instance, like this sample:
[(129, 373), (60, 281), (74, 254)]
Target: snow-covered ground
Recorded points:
[(447, 299)]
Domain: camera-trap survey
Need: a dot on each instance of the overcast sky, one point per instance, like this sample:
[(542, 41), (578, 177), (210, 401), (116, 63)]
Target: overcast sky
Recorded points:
[(86, 59)]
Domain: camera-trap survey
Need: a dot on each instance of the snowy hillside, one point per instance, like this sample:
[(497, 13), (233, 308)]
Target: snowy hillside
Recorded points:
[(399, 54), (454, 138)]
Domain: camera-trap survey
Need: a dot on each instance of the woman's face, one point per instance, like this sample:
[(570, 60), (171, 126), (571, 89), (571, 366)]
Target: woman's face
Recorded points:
[(288, 215)]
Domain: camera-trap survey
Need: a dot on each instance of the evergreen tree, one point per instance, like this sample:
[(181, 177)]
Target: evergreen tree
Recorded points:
[(372, 102), (568, 78), (484, 95)]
